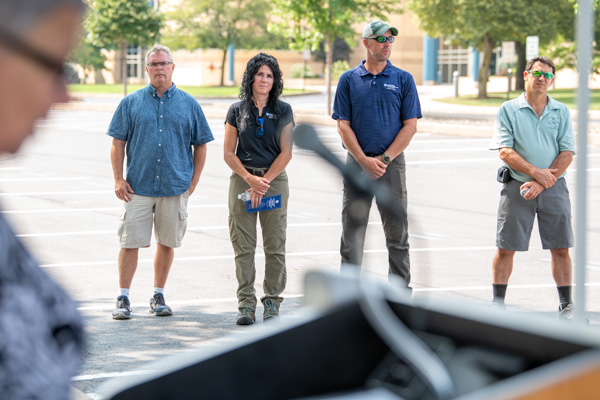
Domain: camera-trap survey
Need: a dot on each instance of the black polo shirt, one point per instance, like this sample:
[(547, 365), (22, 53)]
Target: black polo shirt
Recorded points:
[(254, 150)]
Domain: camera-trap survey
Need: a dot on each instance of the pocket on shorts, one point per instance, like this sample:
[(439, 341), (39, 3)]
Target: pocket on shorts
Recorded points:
[(183, 216), (121, 232)]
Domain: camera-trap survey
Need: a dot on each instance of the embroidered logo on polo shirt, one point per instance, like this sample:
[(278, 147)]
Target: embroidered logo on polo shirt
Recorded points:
[(389, 86), (271, 116), (553, 123)]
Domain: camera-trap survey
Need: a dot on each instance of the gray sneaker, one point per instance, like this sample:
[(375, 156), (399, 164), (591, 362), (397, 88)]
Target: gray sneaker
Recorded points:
[(566, 312), (245, 317), (271, 310), (158, 306), (123, 310)]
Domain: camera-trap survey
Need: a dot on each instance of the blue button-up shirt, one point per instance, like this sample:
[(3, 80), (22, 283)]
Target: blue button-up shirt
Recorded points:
[(376, 105), (537, 140), (160, 133)]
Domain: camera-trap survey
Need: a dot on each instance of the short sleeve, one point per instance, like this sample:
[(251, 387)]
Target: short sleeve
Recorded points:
[(232, 115), (288, 115), (119, 127), (411, 106), (565, 133), (201, 133), (503, 130), (342, 108)]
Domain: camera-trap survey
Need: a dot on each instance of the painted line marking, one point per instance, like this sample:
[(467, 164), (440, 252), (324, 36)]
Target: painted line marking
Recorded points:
[(295, 254), (57, 210), (72, 193), (45, 179)]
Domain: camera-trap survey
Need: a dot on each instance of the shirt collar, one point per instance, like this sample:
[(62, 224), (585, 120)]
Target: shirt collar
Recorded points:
[(523, 103), (363, 71), (167, 93)]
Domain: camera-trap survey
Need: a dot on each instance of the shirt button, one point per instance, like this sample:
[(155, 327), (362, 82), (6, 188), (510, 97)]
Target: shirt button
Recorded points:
[(156, 176), (162, 102), (161, 116), (160, 130), (159, 145), (159, 160)]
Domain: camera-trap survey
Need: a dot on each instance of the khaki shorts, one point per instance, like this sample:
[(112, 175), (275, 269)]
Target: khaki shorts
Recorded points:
[(169, 215)]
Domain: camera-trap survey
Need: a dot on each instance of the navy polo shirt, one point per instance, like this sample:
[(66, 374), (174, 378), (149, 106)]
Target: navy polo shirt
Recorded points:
[(160, 133), (376, 105)]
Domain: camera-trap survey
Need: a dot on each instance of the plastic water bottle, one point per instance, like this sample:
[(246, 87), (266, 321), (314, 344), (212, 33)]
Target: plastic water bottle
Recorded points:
[(244, 196)]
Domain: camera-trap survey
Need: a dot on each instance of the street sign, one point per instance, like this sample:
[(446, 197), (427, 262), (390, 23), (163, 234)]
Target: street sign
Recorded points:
[(508, 52), (532, 48)]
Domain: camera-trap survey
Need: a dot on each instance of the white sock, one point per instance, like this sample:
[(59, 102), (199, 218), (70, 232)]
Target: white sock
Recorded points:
[(159, 290), (124, 292)]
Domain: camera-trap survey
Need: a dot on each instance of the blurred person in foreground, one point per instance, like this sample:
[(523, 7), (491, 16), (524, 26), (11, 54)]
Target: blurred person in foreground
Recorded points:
[(534, 137), (258, 147), (376, 107), (40, 327), (163, 132)]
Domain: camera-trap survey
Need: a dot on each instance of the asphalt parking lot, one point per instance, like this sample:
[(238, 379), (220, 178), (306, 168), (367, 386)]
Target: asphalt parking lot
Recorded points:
[(58, 192)]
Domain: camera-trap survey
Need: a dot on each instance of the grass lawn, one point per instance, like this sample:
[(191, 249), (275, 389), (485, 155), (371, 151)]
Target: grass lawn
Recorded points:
[(196, 91), (567, 96)]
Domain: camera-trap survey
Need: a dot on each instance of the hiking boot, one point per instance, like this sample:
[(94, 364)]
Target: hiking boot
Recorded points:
[(271, 310), (123, 310), (245, 317), (158, 306), (566, 312)]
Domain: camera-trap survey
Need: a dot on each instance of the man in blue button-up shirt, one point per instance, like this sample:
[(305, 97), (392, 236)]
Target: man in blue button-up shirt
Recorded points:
[(156, 127)]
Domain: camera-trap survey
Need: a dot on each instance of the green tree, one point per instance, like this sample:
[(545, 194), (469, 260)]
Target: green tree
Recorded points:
[(114, 24), (308, 22), (217, 24), (89, 57), (484, 25)]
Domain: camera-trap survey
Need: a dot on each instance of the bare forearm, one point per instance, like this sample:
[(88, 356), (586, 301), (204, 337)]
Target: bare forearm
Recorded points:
[(403, 139), (562, 162), (199, 161), (117, 158)]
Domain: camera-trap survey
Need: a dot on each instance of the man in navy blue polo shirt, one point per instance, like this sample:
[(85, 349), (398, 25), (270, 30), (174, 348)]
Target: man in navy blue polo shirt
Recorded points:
[(376, 107), (157, 127)]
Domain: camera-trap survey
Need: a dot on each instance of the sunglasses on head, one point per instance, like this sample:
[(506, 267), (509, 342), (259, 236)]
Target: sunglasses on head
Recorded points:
[(260, 130), (537, 73), (382, 39)]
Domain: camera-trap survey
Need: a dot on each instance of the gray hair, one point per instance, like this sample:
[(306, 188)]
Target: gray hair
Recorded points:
[(19, 16), (159, 47)]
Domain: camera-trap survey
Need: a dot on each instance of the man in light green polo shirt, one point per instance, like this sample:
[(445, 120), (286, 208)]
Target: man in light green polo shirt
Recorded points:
[(534, 137)]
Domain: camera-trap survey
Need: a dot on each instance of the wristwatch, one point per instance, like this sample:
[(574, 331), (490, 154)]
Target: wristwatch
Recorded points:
[(386, 159)]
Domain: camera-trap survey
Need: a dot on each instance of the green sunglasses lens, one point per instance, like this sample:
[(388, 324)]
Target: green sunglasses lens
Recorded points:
[(383, 39), (538, 73)]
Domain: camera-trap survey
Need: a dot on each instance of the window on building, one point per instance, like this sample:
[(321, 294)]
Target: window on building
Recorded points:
[(450, 59)]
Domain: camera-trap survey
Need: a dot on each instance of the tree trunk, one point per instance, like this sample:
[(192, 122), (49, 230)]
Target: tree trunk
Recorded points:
[(329, 61), (222, 81), (521, 62), (484, 70), (124, 66)]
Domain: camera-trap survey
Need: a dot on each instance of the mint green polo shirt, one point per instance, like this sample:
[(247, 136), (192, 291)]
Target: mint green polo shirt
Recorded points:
[(537, 140)]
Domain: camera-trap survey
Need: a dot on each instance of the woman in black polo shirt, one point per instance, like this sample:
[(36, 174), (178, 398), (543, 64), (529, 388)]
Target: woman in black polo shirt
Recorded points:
[(258, 147)]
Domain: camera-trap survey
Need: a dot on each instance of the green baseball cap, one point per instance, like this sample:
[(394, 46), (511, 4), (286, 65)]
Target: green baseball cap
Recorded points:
[(378, 28)]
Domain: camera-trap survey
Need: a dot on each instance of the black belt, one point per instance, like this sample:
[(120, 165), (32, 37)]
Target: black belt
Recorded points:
[(372, 155), (257, 172)]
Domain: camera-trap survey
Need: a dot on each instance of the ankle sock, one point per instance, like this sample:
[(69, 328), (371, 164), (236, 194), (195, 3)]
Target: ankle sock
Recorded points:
[(159, 290), (124, 292), (499, 292), (564, 295)]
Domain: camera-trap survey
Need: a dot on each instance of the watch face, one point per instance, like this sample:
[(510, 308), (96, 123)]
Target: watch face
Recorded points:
[(385, 158)]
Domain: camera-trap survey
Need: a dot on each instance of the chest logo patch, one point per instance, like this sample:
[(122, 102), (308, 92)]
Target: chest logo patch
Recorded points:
[(389, 86), (553, 123)]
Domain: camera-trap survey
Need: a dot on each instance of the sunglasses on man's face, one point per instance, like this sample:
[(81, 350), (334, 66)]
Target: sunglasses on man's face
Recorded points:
[(383, 39), (260, 130), (537, 73)]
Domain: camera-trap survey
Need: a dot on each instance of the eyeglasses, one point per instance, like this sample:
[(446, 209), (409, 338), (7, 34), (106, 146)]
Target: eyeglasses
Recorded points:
[(383, 39), (260, 130), (19, 46), (537, 73), (156, 64)]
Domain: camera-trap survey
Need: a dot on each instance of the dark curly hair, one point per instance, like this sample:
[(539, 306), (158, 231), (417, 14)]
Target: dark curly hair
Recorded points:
[(251, 70)]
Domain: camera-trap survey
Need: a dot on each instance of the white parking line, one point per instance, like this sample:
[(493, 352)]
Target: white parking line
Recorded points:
[(45, 179), (62, 210), (258, 254), (71, 193)]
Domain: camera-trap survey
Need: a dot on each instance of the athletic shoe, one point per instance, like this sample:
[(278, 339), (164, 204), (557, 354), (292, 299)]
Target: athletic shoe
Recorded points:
[(245, 317), (498, 305), (123, 310), (271, 310), (566, 312), (158, 306)]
